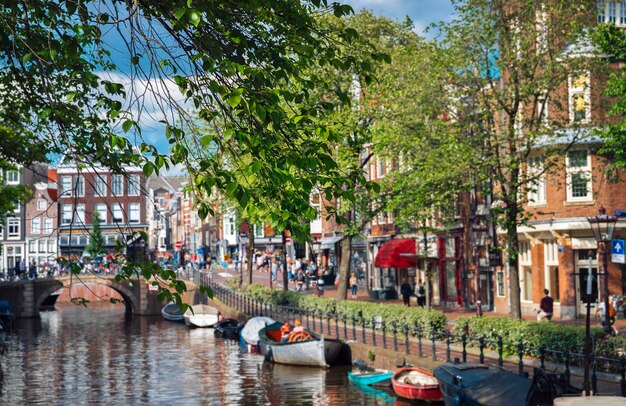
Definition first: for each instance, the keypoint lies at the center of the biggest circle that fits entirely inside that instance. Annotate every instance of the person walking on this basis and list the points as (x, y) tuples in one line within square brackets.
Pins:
[(405, 291), (546, 306), (420, 292), (353, 285)]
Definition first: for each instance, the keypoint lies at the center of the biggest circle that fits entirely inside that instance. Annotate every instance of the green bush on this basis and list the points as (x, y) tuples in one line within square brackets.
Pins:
[(427, 320)]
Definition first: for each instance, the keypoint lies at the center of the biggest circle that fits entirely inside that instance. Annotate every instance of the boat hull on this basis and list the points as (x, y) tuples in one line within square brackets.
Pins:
[(427, 391), (201, 315), (316, 352), (49, 302), (229, 328), (172, 312), (369, 378)]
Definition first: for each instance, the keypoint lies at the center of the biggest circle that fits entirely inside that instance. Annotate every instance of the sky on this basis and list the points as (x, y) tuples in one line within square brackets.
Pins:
[(421, 12)]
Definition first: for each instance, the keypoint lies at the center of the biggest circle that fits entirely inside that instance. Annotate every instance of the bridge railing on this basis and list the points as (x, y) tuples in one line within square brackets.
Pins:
[(437, 345)]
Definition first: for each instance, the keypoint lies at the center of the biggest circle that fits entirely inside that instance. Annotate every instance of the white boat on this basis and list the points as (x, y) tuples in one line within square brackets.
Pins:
[(310, 350), (590, 401), (201, 315), (172, 312)]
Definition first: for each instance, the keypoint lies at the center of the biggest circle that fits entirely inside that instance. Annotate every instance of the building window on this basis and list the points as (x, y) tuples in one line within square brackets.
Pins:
[(47, 228), (231, 225), (133, 185), (41, 246), (51, 247), (622, 12), (66, 186), (133, 213), (578, 167), (17, 208), (258, 230), (601, 11), (13, 177), (612, 12), (66, 214), (580, 98), (537, 183), (41, 205), (80, 213), (35, 226), (500, 283), (317, 205), (380, 168), (32, 246), (80, 186), (527, 283), (100, 186), (13, 228), (101, 209), (118, 213), (117, 185)]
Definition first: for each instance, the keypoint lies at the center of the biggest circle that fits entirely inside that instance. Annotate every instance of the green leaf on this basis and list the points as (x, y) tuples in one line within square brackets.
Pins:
[(127, 125), (234, 100), (195, 17)]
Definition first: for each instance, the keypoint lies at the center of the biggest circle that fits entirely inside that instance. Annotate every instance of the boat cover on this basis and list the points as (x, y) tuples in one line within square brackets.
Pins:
[(250, 332), (502, 388)]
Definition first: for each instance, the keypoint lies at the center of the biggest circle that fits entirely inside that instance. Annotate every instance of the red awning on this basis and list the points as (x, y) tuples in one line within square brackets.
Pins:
[(388, 255)]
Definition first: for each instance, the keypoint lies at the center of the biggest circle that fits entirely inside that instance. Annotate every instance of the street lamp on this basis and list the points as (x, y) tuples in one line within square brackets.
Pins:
[(602, 227), (480, 236)]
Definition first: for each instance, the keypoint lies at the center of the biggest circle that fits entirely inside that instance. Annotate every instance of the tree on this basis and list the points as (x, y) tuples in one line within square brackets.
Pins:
[(612, 43), (241, 65), (95, 246), (512, 57)]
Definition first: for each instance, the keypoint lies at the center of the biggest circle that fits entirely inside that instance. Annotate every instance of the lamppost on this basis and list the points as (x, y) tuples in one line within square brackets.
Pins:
[(602, 227), (480, 235)]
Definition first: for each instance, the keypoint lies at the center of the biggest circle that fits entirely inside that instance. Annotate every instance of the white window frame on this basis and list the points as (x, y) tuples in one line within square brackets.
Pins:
[(18, 207), (66, 186), (47, 225), (35, 225), (13, 177), (316, 204), (259, 232), (51, 247), (13, 228), (134, 213), (117, 185), (622, 13), (42, 204), (586, 170), (503, 292), (80, 214), (133, 185), (66, 214), (601, 8), (611, 12), (574, 92), (41, 246), (116, 209), (79, 186), (102, 209), (537, 192), (32, 247), (381, 168), (100, 186)]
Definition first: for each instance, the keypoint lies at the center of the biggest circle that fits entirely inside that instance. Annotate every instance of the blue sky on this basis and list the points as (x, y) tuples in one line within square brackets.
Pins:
[(422, 12)]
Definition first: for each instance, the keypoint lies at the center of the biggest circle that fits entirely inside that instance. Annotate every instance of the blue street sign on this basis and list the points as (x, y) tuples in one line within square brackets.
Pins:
[(620, 213), (617, 251)]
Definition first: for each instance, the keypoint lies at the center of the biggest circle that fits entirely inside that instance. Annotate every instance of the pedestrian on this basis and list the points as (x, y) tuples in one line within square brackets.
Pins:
[(545, 306), (353, 285), (420, 292), (405, 291), (274, 268)]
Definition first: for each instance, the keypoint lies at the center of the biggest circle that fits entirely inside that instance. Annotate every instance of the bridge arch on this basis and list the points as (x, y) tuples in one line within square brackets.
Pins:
[(128, 295)]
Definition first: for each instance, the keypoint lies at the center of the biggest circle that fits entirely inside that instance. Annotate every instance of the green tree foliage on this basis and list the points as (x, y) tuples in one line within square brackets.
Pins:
[(612, 43), (511, 58), (95, 246), (242, 67)]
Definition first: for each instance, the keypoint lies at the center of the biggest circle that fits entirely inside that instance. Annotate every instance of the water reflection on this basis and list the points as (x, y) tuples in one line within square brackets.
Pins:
[(98, 355)]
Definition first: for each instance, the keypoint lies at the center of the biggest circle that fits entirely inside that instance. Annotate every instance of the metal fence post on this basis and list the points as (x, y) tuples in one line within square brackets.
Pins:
[(363, 329), (520, 353), (481, 344), (383, 326), (432, 338), (394, 331), (500, 352), (419, 342), (345, 326), (374, 331), (447, 347), (406, 339), (464, 343), (622, 382), (336, 325)]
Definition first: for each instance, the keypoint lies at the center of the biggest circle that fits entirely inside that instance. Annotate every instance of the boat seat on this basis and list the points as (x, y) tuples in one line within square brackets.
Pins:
[(274, 335)]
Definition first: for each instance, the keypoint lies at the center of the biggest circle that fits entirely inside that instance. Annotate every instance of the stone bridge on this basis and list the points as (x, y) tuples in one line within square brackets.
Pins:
[(26, 296)]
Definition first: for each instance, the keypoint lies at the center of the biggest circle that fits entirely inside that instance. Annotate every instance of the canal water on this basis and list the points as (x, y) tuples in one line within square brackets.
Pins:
[(96, 355)]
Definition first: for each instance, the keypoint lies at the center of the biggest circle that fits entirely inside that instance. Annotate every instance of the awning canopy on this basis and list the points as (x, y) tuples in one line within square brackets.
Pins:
[(328, 243), (389, 254)]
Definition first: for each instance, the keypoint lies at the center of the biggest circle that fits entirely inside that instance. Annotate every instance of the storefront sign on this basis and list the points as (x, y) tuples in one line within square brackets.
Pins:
[(495, 259)]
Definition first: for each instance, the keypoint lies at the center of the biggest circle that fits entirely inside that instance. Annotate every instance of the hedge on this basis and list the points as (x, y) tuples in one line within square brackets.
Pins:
[(534, 335), (428, 320)]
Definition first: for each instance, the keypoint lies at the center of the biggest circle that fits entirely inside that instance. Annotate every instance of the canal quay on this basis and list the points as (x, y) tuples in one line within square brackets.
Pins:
[(100, 354)]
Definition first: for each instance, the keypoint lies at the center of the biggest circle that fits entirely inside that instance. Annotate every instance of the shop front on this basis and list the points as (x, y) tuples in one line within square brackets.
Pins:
[(394, 262)]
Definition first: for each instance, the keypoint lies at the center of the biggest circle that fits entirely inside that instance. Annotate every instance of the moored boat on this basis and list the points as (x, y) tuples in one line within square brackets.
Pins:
[(49, 302), (416, 384), (303, 348), (229, 328), (369, 377), (172, 312), (250, 332), (201, 315)]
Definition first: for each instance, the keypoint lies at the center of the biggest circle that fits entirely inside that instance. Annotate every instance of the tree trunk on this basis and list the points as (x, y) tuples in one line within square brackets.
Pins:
[(344, 267), (247, 278), (285, 273), (512, 259)]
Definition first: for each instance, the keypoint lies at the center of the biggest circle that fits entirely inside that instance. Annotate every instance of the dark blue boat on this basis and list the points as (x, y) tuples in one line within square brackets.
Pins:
[(7, 317)]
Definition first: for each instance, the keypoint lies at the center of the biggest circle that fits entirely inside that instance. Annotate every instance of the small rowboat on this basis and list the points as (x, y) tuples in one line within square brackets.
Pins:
[(172, 312), (201, 315), (229, 328), (416, 384), (369, 377)]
